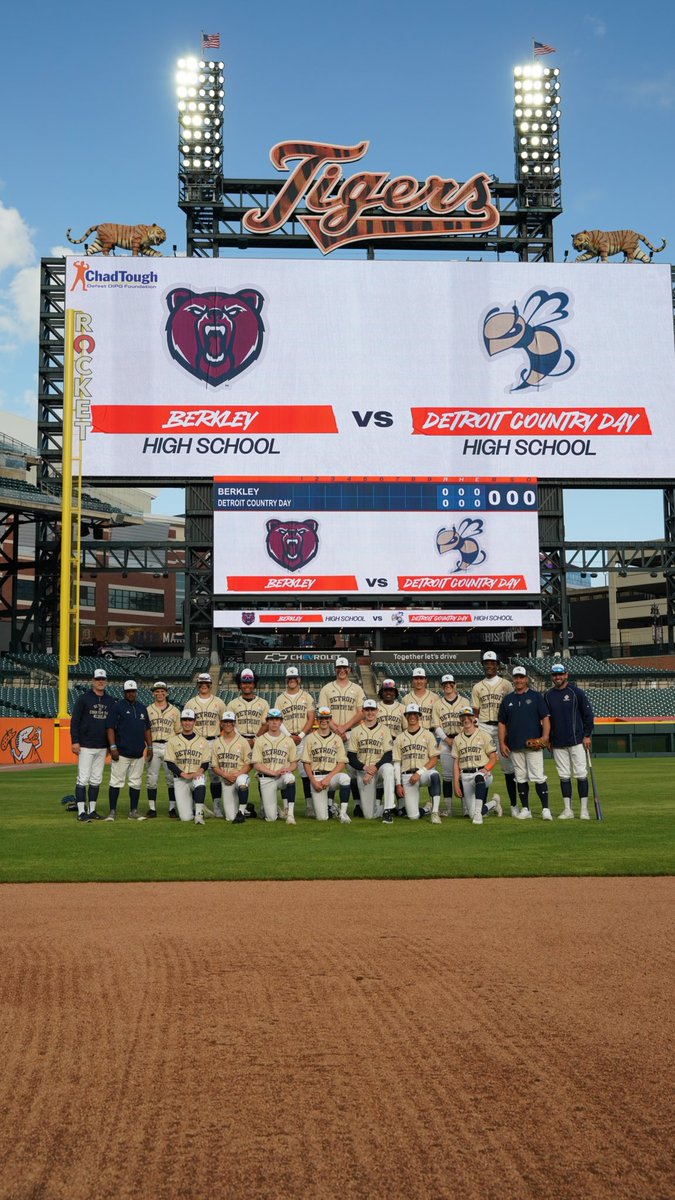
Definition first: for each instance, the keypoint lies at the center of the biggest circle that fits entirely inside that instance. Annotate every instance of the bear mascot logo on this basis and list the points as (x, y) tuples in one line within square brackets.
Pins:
[(292, 544), (214, 335)]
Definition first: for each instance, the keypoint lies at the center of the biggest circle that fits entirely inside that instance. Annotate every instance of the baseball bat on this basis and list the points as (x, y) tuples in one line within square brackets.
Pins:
[(596, 794)]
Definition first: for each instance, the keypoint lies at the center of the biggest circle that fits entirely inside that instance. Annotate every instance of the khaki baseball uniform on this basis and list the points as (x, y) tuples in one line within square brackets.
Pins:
[(426, 705)]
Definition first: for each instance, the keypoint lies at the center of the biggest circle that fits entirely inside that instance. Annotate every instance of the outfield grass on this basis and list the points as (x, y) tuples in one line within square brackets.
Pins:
[(41, 842)]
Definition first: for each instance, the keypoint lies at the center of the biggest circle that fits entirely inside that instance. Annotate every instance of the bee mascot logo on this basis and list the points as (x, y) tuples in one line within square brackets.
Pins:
[(529, 330), (292, 544), (214, 335), (463, 539)]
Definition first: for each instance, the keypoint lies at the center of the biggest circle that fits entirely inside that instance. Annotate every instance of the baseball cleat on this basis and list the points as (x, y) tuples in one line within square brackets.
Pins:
[(388, 818), (477, 820), (498, 804), (524, 815), (345, 820), (567, 815), (199, 819), (436, 819), (239, 819), (134, 815), (173, 813), (514, 810), (585, 816), (358, 811), (290, 819), (546, 814), (152, 812), (94, 816), (446, 812), (111, 816), (83, 817), (218, 812)]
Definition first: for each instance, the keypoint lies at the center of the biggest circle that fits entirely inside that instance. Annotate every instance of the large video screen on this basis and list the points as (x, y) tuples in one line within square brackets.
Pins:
[(200, 367), (375, 536)]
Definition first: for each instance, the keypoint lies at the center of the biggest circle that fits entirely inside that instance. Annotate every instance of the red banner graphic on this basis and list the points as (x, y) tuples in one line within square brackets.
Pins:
[(462, 583), (303, 583), (266, 618), (531, 422), (239, 419)]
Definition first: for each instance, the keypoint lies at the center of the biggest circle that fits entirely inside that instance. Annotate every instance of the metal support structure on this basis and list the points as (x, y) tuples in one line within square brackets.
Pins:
[(198, 622), (669, 564), (552, 564)]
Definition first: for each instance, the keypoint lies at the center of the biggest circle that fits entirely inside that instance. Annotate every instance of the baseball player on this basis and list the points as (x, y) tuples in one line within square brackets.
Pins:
[(208, 710), (486, 697), (187, 757), (164, 722), (370, 754), (474, 759), (422, 697), (129, 735), (523, 717), (345, 701), (324, 759), (415, 757), (231, 762), (571, 730), (446, 725), (391, 710), (274, 760), (298, 709), (88, 735)]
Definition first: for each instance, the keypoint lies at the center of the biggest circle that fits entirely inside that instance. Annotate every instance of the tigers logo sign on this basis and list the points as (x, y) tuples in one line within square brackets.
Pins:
[(338, 211), (292, 544), (214, 335)]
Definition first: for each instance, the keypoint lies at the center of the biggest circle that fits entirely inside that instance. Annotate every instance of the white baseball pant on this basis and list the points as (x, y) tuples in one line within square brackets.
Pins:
[(268, 792), (231, 799), (157, 761), (367, 790), (90, 764), (411, 791), (506, 764), (528, 766), (469, 802), (126, 767), (570, 761), (448, 765), (185, 801), (321, 799)]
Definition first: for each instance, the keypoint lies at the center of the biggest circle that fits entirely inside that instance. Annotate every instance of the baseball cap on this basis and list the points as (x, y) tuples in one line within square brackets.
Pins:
[(419, 671), (412, 708), (204, 677), (99, 673), (558, 669), (388, 683), (227, 716), (448, 679), (323, 713), (489, 656), (292, 671), (519, 671), (160, 684), (130, 685), (275, 713), (370, 703), (247, 674), (188, 714), (341, 662), (467, 711)]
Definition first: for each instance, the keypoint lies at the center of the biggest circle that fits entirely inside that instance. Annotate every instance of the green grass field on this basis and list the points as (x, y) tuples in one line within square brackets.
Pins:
[(41, 842)]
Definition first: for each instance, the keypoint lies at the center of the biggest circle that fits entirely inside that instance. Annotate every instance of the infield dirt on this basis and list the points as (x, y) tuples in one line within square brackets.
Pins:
[(459, 1038)]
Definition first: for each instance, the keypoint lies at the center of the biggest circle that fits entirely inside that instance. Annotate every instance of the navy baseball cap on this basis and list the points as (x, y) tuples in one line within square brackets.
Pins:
[(558, 669)]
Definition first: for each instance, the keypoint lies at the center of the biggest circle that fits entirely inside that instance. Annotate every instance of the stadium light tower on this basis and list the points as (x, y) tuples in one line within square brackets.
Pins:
[(536, 118), (201, 104)]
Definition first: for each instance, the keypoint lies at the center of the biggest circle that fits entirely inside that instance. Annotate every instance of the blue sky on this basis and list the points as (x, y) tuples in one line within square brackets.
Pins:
[(90, 127)]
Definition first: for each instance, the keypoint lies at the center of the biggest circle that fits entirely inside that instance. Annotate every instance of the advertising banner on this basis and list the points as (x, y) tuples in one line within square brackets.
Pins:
[(26, 741), (363, 618), (196, 367), (341, 536)]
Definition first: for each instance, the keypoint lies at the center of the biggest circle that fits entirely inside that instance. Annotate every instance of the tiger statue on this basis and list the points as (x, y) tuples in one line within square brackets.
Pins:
[(138, 238), (600, 244)]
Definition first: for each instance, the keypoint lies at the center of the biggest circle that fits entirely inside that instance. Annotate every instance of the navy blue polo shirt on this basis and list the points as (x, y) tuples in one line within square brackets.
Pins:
[(129, 721), (522, 714), (90, 720), (571, 715)]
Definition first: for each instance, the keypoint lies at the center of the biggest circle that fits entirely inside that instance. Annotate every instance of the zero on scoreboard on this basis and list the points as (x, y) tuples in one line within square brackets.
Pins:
[(377, 495), (496, 496)]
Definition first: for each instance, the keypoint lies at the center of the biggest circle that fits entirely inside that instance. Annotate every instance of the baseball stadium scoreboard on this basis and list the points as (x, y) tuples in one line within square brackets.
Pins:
[(369, 536)]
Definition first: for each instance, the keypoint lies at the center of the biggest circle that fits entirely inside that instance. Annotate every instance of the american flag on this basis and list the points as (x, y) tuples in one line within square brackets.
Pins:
[(211, 41), (542, 48)]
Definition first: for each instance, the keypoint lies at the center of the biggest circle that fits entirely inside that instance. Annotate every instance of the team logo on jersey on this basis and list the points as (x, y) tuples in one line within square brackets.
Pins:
[(292, 544), (247, 618), (214, 335), (463, 540), (530, 330)]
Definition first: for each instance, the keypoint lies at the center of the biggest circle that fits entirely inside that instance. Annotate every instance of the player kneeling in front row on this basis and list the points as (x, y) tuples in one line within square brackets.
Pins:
[(370, 754), (187, 757), (325, 761), (415, 757), (474, 760), (231, 762), (274, 759)]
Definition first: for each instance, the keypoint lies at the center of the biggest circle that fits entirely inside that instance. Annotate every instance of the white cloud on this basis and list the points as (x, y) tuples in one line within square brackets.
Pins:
[(658, 92), (598, 27), (16, 246), (24, 291)]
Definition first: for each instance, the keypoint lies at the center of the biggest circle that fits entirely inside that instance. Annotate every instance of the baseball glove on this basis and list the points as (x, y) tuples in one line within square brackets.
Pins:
[(536, 743)]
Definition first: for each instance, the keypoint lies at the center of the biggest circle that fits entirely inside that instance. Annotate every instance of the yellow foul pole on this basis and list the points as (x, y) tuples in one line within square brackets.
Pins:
[(66, 531)]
